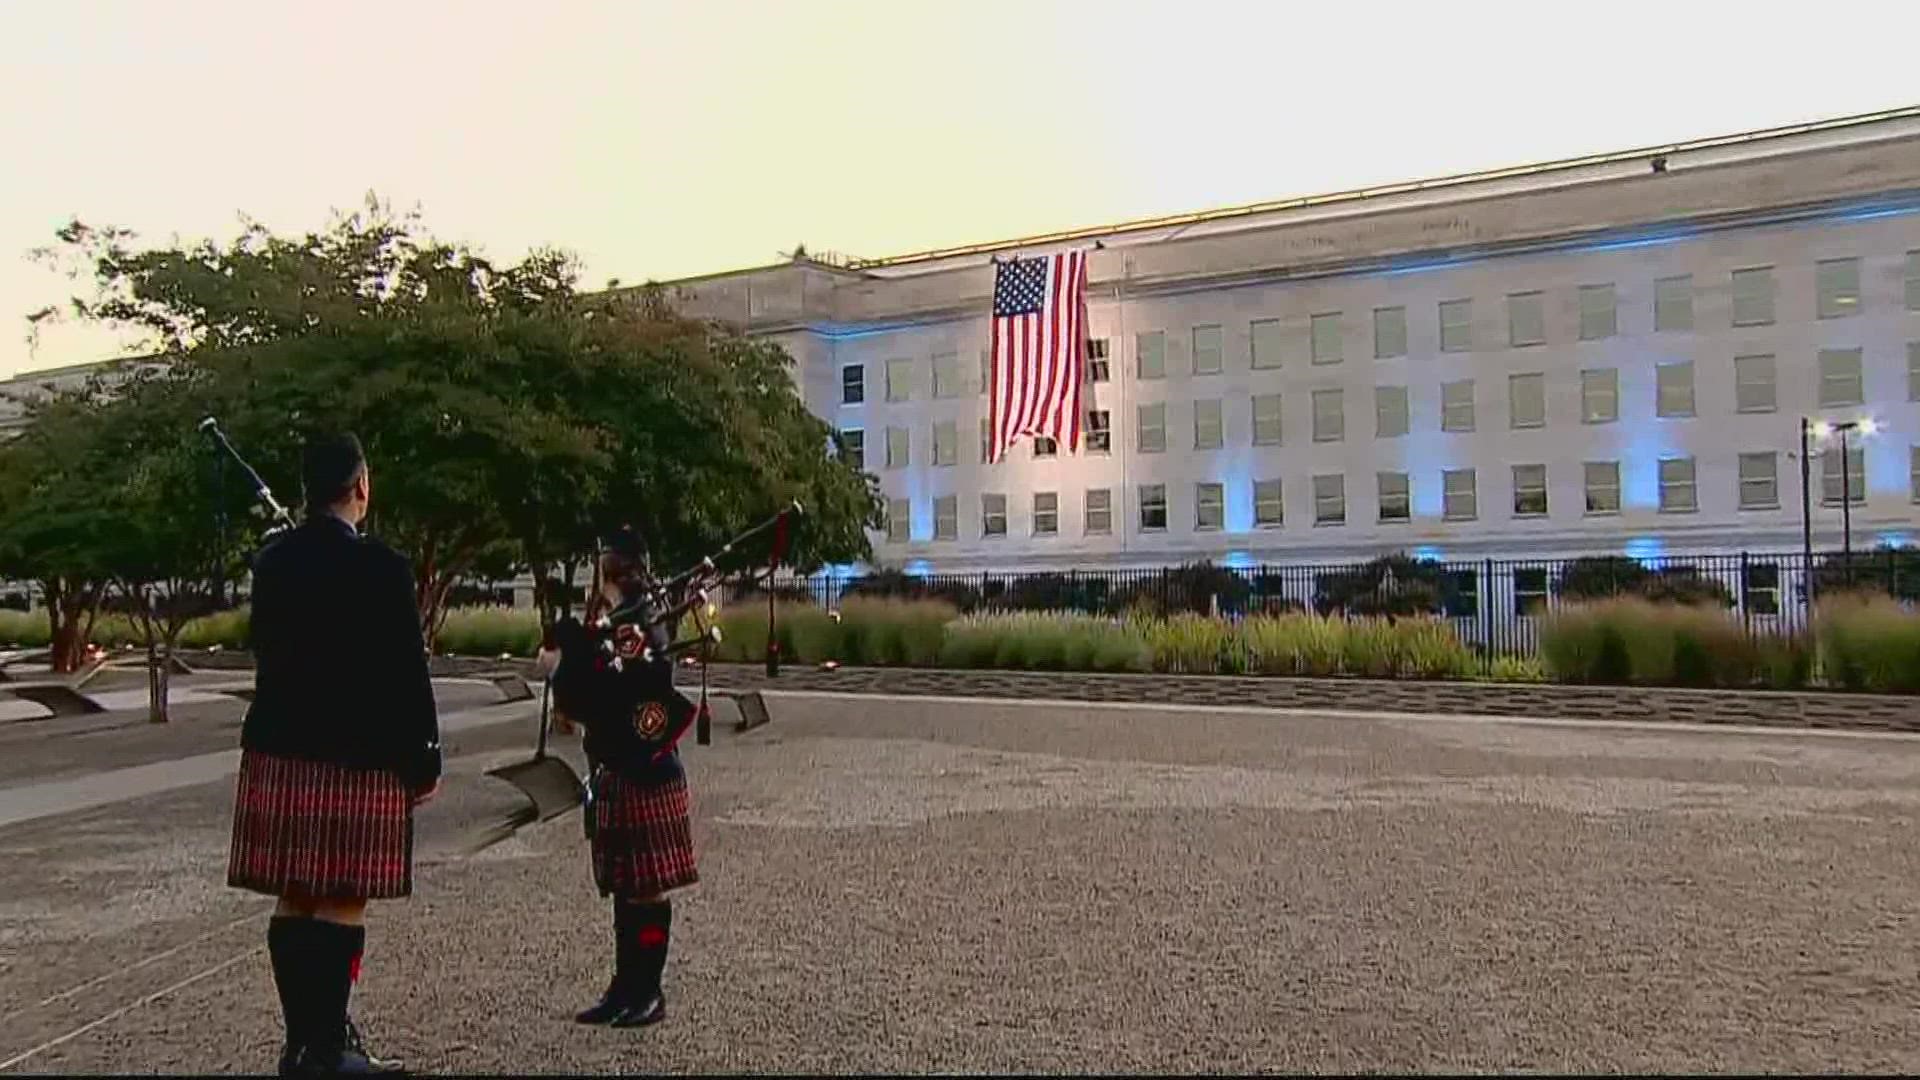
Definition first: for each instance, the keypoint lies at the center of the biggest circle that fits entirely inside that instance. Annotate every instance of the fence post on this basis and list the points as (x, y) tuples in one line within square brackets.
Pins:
[(1746, 612)]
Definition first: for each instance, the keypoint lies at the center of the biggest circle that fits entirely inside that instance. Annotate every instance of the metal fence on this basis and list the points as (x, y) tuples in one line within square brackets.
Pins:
[(1496, 605)]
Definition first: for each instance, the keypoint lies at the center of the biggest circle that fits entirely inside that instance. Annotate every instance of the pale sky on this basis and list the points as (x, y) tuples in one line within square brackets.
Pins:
[(662, 140)]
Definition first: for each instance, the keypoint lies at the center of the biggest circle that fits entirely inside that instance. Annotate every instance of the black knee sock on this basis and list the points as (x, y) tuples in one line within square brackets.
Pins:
[(336, 960), (626, 948), (653, 930), (290, 945)]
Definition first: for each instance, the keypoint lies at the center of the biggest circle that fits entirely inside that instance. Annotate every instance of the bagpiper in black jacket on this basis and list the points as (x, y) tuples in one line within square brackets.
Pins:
[(340, 663)]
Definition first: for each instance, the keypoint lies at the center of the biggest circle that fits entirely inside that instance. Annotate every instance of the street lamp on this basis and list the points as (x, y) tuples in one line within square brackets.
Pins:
[(1822, 430)]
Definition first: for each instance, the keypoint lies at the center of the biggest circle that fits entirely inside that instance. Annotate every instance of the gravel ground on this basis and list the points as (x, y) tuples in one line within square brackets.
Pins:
[(926, 886)]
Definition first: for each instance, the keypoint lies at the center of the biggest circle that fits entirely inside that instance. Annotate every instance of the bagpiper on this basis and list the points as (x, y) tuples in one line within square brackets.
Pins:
[(339, 746), (617, 682)]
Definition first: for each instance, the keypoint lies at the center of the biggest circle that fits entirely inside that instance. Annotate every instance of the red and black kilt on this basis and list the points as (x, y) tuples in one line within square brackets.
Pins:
[(642, 836), (316, 829)]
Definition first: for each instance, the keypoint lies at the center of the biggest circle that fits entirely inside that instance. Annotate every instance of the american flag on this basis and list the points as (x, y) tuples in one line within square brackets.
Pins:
[(1039, 351)]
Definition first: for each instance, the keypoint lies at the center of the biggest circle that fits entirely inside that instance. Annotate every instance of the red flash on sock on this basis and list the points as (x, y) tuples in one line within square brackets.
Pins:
[(652, 937), (353, 969)]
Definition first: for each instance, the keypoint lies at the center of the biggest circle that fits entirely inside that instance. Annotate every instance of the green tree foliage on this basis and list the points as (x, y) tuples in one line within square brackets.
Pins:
[(1601, 576), (509, 419)]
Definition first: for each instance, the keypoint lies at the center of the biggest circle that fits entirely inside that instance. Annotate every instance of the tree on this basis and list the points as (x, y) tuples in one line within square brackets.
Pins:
[(508, 418), (53, 483)]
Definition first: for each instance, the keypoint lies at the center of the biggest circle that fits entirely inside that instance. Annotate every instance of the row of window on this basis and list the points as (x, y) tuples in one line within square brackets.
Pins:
[(1841, 383), (1758, 489), (1836, 286)]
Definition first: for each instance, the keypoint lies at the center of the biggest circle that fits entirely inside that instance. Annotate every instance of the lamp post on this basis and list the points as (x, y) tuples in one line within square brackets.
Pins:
[(1821, 430), (1806, 519)]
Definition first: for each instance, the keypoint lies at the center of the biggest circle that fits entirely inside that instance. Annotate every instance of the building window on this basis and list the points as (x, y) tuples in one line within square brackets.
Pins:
[(897, 448), (1753, 387), (1913, 371), (986, 440), (1459, 499), (1529, 491), (986, 370), (1603, 487), (1099, 431), (946, 444), (1396, 497), (1099, 513), (1153, 428), (1456, 325), (1206, 424), (1526, 319), (1673, 303), (1456, 406), (1599, 312), (1913, 281), (899, 379), (1678, 494), (1913, 472), (1759, 481), (946, 375), (1209, 507), (1753, 296), (1150, 353), (1599, 395), (1389, 412), (1266, 343), (1673, 389), (1266, 420), (853, 384), (1330, 500), (1327, 347), (1460, 594), (1527, 400), (1837, 288), (993, 515), (1529, 590), (1760, 588), (1389, 332), (1098, 368), (853, 449), (1206, 350), (1045, 446), (1046, 513), (1855, 483), (1329, 416), (899, 520), (946, 517), (1153, 507), (1268, 511), (1841, 382)]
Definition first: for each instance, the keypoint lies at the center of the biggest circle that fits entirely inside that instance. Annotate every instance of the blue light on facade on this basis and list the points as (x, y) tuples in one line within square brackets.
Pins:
[(1645, 550), (1238, 560), (1428, 553), (1894, 539), (919, 568)]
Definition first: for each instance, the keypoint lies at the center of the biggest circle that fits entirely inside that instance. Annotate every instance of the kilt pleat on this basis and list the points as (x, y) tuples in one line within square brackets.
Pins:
[(314, 828), (643, 836)]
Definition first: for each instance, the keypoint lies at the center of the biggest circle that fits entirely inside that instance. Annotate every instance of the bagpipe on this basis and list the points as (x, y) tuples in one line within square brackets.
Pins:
[(642, 629)]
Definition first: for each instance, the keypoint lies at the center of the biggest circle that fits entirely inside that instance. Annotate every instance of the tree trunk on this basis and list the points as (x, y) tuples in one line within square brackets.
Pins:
[(71, 609), (159, 678)]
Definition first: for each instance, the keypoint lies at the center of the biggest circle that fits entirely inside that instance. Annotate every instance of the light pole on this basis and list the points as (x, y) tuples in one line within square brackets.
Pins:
[(1806, 519), (1821, 429)]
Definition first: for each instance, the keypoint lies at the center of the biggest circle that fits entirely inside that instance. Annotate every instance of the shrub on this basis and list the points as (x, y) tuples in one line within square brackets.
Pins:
[(225, 629), (1390, 585), (1519, 669), (1187, 643), (1868, 642), (1631, 640), (1045, 642), (490, 631), (25, 629)]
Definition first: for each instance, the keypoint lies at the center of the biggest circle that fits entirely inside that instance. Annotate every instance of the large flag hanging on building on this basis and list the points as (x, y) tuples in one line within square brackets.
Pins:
[(1039, 351)]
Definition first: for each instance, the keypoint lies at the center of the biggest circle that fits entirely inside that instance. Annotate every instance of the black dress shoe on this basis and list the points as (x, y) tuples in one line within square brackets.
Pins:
[(356, 1047), (606, 1010), (652, 1012), (309, 1062)]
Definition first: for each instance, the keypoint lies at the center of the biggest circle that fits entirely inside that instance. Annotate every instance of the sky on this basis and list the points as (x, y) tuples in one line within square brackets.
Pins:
[(658, 140)]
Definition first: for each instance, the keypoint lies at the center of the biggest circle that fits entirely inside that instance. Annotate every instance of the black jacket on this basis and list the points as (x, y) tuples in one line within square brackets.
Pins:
[(341, 666), (608, 700)]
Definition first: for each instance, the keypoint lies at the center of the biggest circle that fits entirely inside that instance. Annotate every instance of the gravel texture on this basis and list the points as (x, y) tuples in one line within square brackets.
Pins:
[(990, 887)]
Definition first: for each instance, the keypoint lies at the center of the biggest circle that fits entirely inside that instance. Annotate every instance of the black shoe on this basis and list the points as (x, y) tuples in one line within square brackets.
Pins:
[(310, 1062), (654, 1011), (610, 1006)]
